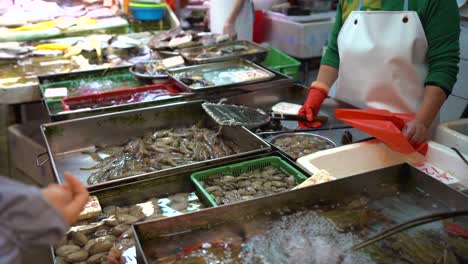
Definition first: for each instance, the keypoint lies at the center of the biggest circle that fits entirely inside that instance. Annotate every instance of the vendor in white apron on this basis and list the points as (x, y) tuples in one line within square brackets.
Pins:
[(233, 17), (389, 57)]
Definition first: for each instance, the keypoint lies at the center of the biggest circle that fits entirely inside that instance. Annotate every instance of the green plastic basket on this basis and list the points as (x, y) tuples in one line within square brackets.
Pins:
[(279, 61), (125, 79), (239, 168)]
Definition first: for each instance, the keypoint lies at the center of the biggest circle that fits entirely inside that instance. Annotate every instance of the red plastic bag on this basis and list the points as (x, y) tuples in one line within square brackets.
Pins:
[(383, 125)]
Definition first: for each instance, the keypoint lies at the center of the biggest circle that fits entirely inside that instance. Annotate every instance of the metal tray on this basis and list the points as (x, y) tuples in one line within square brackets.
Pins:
[(219, 66), (55, 109), (144, 189), (339, 136), (66, 140), (274, 138), (240, 221), (189, 54)]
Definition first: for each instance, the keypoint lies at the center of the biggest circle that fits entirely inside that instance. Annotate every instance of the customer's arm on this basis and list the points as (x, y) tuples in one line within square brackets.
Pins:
[(32, 216)]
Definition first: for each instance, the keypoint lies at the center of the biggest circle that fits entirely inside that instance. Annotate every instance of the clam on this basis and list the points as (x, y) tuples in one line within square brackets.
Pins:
[(101, 246), (127, 219), (118, 230), (102, 232), (213, 189), (60, 260), (255, 183), (127, 233), (127, 243), (65, 250), (79, 238), (111, 221), (109, 210), (97, 258), (62, 242), (77, 256)]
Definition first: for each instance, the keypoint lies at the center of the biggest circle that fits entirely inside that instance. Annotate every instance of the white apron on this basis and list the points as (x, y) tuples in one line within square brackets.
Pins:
[(219, 12), (382, 60)]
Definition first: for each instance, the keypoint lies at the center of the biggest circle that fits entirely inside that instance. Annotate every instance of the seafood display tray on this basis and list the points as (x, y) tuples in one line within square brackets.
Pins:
[(127, 194), (199, 69), (107, 98), (339, 137), (65, 147), (240, 168), (120, 76), (190, 54), (303, 134), (238, 222)]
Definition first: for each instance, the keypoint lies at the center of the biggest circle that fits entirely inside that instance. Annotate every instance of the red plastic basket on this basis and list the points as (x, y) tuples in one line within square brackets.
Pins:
[(118, 97)]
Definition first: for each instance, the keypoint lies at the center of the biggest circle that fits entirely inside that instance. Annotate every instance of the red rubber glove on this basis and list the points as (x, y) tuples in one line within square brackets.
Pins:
[(313, 103)]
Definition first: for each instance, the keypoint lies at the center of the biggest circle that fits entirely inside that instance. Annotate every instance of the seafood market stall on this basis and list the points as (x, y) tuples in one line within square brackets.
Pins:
[(323, 222), (143, 200), (120, 88), (117, 48), (182, 131), (193, 151)]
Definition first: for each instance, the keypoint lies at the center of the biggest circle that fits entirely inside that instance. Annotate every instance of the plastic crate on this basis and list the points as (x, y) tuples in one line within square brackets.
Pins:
[(239, 168), (279, 61)]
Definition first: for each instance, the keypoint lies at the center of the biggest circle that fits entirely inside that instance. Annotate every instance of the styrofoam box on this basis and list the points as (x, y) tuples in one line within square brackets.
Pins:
[(453, 134), (25, 144), (300, 40), (446, 159), (373, 155), (353, 159)]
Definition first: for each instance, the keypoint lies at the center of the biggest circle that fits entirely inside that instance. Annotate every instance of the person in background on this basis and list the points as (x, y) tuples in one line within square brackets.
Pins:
[(404, 60), (30, 216), (233, 17)]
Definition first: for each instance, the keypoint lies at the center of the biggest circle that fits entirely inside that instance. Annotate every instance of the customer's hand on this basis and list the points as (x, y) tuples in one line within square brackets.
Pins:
[(415, 131), (230, 29), (69, 199), (115, 256)]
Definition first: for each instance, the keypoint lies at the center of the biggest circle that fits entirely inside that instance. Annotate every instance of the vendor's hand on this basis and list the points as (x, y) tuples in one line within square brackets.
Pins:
[(415, 131), (313, 103), (230, 29), (69, 199)]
